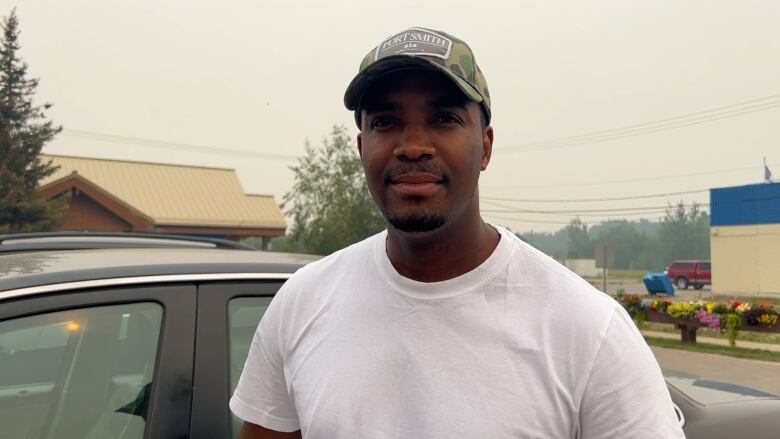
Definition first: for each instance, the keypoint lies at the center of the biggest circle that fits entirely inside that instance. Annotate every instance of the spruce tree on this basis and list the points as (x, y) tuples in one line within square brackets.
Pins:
[(24, 130)]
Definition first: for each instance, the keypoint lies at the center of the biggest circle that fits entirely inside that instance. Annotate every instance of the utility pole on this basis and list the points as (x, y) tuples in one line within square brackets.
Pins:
[(604, 264)]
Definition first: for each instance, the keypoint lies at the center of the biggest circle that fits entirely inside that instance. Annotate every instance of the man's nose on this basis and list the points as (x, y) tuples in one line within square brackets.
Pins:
[(415, 143)]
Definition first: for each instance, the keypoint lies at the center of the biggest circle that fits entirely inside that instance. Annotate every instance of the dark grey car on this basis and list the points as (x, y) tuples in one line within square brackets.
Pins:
[(139, 337), (121, 337)]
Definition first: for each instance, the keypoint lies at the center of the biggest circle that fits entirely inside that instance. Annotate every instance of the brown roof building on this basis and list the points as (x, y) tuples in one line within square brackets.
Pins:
[(123, 196)]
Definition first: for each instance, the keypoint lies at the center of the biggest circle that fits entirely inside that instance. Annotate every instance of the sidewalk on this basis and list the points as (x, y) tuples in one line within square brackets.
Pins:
[(718, 341)]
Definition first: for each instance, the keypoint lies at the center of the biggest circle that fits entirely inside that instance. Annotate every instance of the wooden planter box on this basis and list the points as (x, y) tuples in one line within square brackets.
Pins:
[(745, 327), (688, 328)]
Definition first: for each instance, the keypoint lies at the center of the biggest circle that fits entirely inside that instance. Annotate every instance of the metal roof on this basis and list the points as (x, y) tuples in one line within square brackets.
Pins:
[(30, 269), (174, 195)]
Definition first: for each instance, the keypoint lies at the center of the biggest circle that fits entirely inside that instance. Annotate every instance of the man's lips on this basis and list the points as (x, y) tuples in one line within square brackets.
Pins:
[(416, 184), (416, 178)]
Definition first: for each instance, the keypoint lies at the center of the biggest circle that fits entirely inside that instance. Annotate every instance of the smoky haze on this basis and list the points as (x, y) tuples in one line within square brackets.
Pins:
[(259, 78)]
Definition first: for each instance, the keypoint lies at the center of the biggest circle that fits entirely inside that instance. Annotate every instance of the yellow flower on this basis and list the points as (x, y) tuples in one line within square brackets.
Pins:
[(710, 307), (768, 319)]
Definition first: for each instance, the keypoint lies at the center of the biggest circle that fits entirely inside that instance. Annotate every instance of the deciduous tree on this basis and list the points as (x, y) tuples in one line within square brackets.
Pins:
[(330, 204)]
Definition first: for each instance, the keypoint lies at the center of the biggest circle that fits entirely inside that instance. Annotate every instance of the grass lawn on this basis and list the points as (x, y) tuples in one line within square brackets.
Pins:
[(750, 354), (635, 275), (755, 337), (617, 276), (706, 296)]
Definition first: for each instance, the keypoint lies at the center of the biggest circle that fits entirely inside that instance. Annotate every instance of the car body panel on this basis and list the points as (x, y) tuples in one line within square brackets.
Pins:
[(29, 269), (210, 414), (171, 393), (195, 286), (694, 272)]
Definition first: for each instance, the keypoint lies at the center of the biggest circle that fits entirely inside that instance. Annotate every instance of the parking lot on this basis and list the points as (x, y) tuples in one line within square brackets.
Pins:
[(637, 287), (759, 375)]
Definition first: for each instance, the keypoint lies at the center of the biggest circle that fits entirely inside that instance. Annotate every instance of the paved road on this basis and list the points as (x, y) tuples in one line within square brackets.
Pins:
[(634, 287), (759, 375)]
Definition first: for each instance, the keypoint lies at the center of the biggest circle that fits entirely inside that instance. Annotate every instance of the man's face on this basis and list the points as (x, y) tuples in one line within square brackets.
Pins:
[(423, 146)]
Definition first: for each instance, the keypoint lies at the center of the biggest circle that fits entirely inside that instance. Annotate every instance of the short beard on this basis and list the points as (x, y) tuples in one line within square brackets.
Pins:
[(417, 223)]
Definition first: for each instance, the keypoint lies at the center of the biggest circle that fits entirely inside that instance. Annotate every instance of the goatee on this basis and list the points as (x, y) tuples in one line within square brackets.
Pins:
[(417, 223)]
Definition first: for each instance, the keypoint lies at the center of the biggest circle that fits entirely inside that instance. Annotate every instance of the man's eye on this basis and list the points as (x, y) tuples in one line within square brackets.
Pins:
[(382, 121), (446, 118)]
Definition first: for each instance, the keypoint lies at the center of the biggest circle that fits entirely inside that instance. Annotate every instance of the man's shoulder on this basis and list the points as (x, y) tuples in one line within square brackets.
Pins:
[(532, 267), (349, 259), (580, 313)]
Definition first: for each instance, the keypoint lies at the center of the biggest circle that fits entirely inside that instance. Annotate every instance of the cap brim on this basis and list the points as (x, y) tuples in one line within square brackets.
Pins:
[(363, 81)]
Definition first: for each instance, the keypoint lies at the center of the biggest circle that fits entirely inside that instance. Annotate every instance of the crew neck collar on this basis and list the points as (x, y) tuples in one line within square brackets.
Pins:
[(450, 287)]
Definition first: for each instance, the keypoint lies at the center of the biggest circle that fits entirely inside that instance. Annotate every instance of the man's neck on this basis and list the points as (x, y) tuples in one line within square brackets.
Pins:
[(443, 254)]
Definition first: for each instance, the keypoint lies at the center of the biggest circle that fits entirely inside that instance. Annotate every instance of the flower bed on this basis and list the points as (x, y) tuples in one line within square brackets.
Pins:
[(690, 316)]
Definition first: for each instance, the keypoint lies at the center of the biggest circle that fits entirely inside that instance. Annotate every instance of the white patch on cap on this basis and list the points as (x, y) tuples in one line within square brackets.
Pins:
[(414, 41)]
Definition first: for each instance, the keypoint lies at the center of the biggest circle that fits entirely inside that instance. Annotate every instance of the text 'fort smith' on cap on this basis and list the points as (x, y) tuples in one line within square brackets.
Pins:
[(420, 48)]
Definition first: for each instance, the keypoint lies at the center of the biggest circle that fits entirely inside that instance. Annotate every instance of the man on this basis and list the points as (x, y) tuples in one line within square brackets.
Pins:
[(442, 326)]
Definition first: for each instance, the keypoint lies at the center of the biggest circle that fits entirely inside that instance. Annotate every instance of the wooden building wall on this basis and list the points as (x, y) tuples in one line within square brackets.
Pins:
[(85, 214)]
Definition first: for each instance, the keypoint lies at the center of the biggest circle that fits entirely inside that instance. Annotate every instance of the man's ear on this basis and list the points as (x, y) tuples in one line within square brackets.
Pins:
[(487, 146), (360, 145)]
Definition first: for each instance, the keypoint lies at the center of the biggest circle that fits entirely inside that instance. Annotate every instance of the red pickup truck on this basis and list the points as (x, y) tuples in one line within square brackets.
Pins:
[(690, 272)]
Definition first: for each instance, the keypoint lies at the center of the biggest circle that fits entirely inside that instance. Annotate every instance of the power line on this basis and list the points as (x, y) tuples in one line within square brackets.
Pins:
[(630, 180), (662, 124), (596, 216), (624, 210), (592, 216), (598, 213), (590, 200), (176, 146), (648, 131), (538, 221), (525, 220), (668, 119), (620, 134), (650, 209), (675, 122)]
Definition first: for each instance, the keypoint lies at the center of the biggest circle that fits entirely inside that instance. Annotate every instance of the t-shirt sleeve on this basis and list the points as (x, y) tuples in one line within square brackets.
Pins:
[(626, 395), (262, 396)]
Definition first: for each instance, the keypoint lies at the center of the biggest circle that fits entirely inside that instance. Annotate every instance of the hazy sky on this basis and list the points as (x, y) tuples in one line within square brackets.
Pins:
[(264, 76)]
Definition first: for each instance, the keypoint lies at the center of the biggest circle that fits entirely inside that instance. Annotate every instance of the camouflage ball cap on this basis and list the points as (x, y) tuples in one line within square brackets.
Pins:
[(424, 49)]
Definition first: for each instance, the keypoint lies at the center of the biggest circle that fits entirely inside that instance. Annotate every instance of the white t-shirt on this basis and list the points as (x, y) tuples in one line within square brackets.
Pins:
[(518, 347)]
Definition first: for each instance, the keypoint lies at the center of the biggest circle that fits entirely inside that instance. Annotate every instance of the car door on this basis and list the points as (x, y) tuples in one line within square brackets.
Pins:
[(228, 314), (705, 272), (111, 363)]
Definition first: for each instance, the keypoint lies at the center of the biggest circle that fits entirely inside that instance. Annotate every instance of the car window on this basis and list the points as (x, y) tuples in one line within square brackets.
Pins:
[(705, 265), (683, 265), (244, 314), (82, 373)]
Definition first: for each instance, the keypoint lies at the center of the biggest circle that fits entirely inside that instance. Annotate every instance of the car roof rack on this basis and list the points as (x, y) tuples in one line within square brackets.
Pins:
[(42, 241)]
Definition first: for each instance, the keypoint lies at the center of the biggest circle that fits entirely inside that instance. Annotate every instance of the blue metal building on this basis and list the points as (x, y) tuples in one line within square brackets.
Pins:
[(745, 239)]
